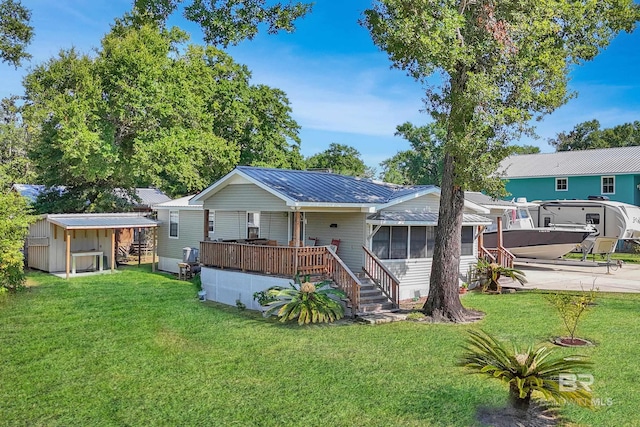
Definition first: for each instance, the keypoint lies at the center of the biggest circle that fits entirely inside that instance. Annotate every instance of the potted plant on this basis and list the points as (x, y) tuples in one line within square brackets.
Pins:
[(464, 287)]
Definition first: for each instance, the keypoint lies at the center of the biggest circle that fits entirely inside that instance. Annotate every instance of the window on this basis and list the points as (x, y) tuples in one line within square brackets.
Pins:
[(592, 218), (547, 221), (174, 221), (212, 222), (253, 225), (608, 184), (467, 241), (399, 241), (562, 184), (380, 242), (418, 242), (403, 242)]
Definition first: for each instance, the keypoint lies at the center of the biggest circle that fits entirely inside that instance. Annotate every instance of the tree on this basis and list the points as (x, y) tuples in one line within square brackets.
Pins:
[(422, 163), (15, 32), (146, 112), (499, 64), (14, 164), (341, 159), (227, 22), (524, 149), (588, 136), (14, 227)]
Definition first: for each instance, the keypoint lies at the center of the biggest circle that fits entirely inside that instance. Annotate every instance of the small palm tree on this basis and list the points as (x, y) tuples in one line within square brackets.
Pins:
[(489, 274), (307, 302), (526, 371)]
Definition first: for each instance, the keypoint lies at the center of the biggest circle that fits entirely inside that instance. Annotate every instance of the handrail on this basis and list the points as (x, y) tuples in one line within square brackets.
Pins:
[(344, 278), (382, 276)]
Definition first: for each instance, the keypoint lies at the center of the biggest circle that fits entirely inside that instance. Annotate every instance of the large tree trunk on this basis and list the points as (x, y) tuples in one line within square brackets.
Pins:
[(444, 300)]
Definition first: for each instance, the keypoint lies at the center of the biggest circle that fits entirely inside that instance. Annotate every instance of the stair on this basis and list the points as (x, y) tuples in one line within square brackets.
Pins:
[(372, 300)]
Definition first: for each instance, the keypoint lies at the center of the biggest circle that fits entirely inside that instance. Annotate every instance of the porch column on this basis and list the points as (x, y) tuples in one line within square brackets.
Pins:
[(113, 249), (296, 229), (67, 235), (499, 240), (153, 249), (206, 224), (480, 239)]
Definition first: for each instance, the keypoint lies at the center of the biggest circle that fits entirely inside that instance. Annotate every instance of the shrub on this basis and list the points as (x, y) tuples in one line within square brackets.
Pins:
[(266, 296), (488, 274), (306, 302), (572, 307), (526, 371), (14, 227)]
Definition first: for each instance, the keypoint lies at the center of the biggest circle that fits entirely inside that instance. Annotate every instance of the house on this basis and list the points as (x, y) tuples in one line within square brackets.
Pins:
[(610, 172), (284, 222), (70, 243)]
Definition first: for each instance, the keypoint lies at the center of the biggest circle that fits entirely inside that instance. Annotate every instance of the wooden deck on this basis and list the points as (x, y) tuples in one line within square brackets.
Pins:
[(282, 261)]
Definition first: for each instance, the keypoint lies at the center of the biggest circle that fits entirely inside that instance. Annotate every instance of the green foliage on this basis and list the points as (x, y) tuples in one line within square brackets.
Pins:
[(306, 302), (588, 135), (14, 227), (488, 275), (266, 296), (240, 305), (14, 164), (340, 159), (416, 315), (420, 165), (15, 32), (148, 110), (525, 371), (228, 22), (524, 149), (571, 307)]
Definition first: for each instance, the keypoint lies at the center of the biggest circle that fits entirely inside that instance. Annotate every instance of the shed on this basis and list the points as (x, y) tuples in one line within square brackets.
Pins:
[(71, 242)]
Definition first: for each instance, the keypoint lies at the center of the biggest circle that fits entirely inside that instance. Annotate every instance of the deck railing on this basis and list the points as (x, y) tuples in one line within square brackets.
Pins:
[(282, 261), (500, 255), (382, 276)]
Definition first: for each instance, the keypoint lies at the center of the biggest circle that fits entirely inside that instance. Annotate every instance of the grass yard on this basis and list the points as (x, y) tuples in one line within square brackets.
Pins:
[(138, 349)]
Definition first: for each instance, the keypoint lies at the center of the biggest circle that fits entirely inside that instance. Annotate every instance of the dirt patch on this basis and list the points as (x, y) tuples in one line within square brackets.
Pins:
[(538, 415), (572, 342)]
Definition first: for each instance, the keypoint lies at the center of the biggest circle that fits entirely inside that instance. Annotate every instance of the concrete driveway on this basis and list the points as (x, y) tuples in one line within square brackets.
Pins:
[(577, 277)]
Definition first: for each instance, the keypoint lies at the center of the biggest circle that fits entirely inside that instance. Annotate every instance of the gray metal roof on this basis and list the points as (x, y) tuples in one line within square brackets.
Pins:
[(605, 161), (151, 196), (100, 221), (487, 201), (426, 218), (182, 203), (322, 187)]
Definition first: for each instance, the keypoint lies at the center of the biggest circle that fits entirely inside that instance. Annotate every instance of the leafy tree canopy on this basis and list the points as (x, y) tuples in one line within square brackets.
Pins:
[(14, 164), (227, 22), (500, 64), (142, 112), (588, 135), (341, 159), (15, 32), (524, 149), (14, 227)]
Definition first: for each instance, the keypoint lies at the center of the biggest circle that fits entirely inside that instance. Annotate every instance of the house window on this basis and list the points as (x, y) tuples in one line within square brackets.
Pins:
[(562, 184), (174, 221), (467, 241), (212, 222), (399, 242), (253, 225), (418, 242), (608, 184), (402, 242), (380, 242)]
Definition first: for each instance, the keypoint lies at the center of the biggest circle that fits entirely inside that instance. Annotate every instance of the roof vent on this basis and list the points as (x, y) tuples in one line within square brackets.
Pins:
[(598, 198)]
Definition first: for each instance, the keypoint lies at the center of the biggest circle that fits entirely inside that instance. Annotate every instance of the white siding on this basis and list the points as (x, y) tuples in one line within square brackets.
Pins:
[(81, 240), (38, 256), (351, 230), (230, 225), (275, 226), (244, 197), (169, 264)]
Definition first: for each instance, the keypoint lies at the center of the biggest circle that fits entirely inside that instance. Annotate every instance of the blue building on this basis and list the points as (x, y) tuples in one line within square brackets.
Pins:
[(610, 172)]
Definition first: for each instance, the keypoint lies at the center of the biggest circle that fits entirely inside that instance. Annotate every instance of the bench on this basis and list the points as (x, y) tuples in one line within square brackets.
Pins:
[(76, 255)]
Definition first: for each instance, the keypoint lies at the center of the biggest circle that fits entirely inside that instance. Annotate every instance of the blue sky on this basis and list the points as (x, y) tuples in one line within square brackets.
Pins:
[(341, 87)]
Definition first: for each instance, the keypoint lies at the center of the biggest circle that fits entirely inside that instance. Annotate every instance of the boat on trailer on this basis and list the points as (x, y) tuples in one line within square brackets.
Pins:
[(521, 236), (613, 221)]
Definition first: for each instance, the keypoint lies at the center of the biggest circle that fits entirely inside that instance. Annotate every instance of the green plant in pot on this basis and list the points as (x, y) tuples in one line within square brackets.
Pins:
[(307, 302)]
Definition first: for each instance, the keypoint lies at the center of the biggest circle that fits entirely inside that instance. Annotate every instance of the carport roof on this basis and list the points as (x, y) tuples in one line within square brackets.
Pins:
[(100, 221)]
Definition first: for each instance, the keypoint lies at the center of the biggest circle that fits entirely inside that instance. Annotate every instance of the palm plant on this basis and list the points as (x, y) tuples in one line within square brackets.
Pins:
[(488, 275), (307, 302), (526, 371)]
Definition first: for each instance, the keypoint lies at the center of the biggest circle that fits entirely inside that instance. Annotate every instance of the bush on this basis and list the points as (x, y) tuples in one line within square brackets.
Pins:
[(14, 228), (571, 307)]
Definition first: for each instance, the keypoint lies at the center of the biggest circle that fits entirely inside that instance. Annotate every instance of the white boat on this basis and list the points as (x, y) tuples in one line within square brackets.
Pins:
[(522, 237), (613, 221)]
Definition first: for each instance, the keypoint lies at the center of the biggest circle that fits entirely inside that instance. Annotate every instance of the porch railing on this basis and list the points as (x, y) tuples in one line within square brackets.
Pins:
[(382, 276), (500, 255), (283, 261)]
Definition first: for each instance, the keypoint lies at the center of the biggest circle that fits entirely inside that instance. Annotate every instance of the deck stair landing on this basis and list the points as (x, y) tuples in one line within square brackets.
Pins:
[(372, 299)]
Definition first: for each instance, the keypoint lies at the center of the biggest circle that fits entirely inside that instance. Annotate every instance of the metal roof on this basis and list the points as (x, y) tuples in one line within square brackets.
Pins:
[(426, 218), (151, 196), (605, 161), (148, 196), (100, 221), (322, 187), (182, 203), (487, 201)]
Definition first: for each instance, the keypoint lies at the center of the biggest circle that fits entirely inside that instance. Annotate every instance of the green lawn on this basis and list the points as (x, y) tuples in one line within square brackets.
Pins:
[(138, 349)]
